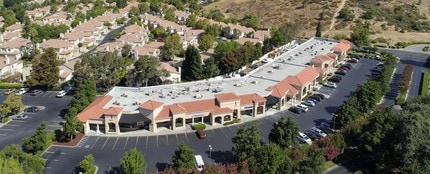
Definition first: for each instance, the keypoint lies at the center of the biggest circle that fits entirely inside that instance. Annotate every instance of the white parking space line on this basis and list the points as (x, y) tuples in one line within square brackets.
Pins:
[(115, 143), (126, 141), (223, 132), (13, 125), (157, 140), (105, 143), (167, 139), (137, 140), (44, 94), (2, 134), (186, 137), (177, 139), (95, 142), (7, 129), (48, 167), (147, 137)]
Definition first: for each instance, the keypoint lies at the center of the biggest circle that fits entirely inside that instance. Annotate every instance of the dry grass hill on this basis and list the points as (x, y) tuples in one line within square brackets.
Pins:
[(392, 20)]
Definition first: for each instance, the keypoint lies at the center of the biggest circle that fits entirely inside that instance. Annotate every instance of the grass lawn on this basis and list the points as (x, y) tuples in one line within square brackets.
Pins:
[(425, 83), (401, 99)]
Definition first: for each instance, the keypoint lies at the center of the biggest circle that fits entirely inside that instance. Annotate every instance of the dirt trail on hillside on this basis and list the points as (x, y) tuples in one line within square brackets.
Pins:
[(333, 18)]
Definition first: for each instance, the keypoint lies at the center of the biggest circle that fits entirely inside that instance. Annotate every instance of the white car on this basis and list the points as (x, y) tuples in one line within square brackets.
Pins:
[(303, 107), (61, 94), (330, 85), (303, 137), (318, 132), (21, 91), (199, 162)]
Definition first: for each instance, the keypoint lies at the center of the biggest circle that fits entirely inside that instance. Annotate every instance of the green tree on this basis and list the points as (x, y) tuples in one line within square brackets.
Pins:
[(126, 50), (370, 94), (318, 30), (145, 69), (133, 162), (30, 163), (348, 111), (313, 162), (250, 20), (87, 164), (213, 30), (169, 14), (70, 125), (284, 132), (12, 105), (210, 68), (360, 35), (121, 3), (246, 142), (45, 72), (192, 65), (206, 42), (85, 94), (183, 158), (172, 46), (143, 8), (269, 159), (38, 142), (277, 38), (346, 14), (10, 166)]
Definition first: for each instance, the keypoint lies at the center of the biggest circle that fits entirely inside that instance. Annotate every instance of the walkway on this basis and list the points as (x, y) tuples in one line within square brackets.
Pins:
[(333, 18)]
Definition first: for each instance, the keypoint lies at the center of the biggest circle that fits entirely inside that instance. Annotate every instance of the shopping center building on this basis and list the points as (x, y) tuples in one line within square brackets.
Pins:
[(273, 83)]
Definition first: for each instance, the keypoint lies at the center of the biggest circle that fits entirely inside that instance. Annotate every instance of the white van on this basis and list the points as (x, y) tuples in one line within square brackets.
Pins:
[(199, 162)]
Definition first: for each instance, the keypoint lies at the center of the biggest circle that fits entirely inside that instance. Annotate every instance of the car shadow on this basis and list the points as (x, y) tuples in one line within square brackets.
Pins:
[(114, 170), (332, 109), (221, 157), (319, 121), (162, 166)]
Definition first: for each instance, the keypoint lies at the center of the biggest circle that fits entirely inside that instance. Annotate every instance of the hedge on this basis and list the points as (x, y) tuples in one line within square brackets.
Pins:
[(199, 126), (232, 122), (425, 83), (401, 99), (11, 85)]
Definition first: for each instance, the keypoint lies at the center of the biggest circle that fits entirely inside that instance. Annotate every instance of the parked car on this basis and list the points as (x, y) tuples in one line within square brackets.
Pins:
[(347, 65), (9, 91), (312, 100), (61, 94), (353, 60), (295, 110), (344, 67), (327, 127), (320, 95), (20, 117), (311, 135), (21, 91), (340, 72), (330, 85), (36, 92), (199, 162), (334, 79), (315, 97), (318, 132), (33, 109), (308, 103), (201, 133), (303, 107), (304, 138)]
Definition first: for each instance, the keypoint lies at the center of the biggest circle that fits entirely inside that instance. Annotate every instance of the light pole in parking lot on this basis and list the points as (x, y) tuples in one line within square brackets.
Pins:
[(210, 151), (334, 120)]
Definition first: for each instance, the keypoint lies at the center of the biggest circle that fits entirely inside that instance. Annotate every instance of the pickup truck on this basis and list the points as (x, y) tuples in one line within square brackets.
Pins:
[(21, 91)]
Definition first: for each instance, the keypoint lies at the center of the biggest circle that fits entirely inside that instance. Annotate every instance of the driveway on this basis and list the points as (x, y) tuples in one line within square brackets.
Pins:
[(158, 150), (15, 131)]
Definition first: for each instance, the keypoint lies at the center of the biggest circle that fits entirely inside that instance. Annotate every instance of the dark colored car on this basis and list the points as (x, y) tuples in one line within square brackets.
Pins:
[(341, 72), (296, 110), (334, 80), (320, 95), (345, 67), (32, 109), (314, 97), (311, 135), (201, 133), (36, 92), (353, 60)]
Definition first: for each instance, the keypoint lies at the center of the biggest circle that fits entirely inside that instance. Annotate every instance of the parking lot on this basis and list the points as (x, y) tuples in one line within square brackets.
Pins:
[(51, 108)]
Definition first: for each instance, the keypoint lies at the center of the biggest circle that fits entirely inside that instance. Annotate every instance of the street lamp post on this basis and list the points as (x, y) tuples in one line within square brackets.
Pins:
[(210, 151), (334, 120)]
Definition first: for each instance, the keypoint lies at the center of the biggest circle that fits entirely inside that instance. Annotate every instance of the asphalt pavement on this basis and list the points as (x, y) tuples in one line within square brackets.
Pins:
[(14, 131), (158, 150)]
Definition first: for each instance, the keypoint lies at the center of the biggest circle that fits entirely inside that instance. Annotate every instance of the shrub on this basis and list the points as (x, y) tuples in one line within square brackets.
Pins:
[(199, 126), (232, 122), (11, 85), (406, 78), (401, 99), (425, 83)]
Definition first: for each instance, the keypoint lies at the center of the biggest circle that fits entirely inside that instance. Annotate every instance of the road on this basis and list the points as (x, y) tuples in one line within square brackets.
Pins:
[(15, 131), (158, 150)]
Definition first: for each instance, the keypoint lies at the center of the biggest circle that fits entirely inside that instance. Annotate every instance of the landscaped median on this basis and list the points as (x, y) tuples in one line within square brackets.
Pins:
[(10, 85), (404, 84), (424, 88)]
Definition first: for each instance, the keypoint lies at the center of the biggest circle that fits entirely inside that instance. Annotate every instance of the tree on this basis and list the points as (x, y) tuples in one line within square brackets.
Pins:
[(10, 165), (206, 42), (313, 162), (210, 68), (192, 65), (360, 35), (38, 142), (246, 142), (250, 20), (348, 111), (284, 132), (145, 68), (277, 38), (269, 159), (29, 163), (87, 165), (70, 125), (169, 14), (183, 158), (45, 72), (121, 3), (12, 105), (133, 162), (84, 95), (370, 94), (318, 30), (172, 46), (143, 8), (126, 50), (346, 14)]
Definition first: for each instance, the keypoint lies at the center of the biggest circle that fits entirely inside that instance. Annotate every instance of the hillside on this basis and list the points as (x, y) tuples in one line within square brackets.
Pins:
[(392, 20)]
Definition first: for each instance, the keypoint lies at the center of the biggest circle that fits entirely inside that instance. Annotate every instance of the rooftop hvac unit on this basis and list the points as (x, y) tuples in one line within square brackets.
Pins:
[(198, 95), (254, 82)]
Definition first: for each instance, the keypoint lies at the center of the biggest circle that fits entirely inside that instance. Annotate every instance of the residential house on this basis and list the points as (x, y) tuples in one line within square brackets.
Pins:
[(182, 16), (9, 66), (13, 49), (133, 39), (261, 35), (64, 49), (188, 41), (75, 37), (66, 70), (38, 13), (150, 49), (110, 47), (56, 19), (17, 27), (242, 40), (7, 36), (174, 73)]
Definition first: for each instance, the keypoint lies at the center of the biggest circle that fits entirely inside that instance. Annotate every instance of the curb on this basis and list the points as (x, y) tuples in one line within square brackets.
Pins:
[(3, 124)]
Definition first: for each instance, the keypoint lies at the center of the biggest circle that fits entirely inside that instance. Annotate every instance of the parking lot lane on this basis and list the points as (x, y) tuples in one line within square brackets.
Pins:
[(110, 143), (94, 143), (182, 138), (222, 131), (116, 141), (162, 141), (174, 139), (131, 143), (192, 137), (102, 144), (151, 142)]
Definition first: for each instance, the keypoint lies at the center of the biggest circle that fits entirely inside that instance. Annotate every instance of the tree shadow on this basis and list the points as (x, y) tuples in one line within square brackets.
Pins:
[(222, 157), (114, 170), (162, 166), (63, 113), (332, 109), (319, 121), (78, 170)]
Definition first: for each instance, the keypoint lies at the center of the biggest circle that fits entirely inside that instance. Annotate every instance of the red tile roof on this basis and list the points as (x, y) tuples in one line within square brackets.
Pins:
[(332, 55), (321, 59), (303, 77), (95, 109), (113, 111), (224, 97), (222, 111), (150, 105), (343, 46), (251, 98), (177, 108)]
